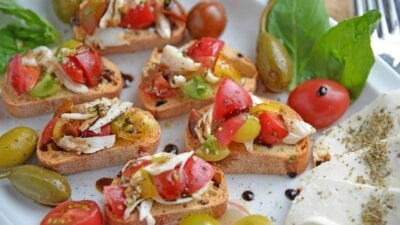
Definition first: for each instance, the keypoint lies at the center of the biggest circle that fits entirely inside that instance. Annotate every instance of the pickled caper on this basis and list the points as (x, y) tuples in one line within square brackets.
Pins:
[(273, 63), (65, 9), (42, 185), (16, 146)]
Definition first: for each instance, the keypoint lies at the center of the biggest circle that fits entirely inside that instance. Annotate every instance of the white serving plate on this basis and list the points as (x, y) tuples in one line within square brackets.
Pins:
[(241, 34)]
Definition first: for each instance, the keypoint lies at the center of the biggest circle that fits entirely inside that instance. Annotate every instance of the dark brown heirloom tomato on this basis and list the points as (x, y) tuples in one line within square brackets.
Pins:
[(319, 102), (206, 19)]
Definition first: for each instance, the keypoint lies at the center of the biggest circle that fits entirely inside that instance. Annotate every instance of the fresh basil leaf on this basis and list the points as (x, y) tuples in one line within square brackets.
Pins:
[(197, 89), (344, 53), (298, 24), (22, 30)]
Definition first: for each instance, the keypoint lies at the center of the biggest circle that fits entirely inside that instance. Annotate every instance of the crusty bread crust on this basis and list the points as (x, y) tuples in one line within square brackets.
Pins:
[(178, 104), (213, 203), (26, 106), (139, 39), (66, 162), (280, 159)]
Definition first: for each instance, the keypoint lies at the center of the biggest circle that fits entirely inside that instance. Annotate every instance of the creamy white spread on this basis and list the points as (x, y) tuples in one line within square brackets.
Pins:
[(176, 61), (86, 145)]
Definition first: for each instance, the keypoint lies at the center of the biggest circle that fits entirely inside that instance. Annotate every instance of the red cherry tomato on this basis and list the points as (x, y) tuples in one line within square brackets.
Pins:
[(198, 172), (140, 17), (170, 184), (273, 128), (23, 78), (115, 197), (90, 62), (206, 51), (73, 71), (319, 102), (85, 212), (230, 99), (47, 133), (225, 133), (90, 13), (159, 88), (104, 131)]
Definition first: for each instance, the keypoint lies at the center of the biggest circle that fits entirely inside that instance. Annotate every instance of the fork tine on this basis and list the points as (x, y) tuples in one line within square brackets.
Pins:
[(387, 9), (397, 8)]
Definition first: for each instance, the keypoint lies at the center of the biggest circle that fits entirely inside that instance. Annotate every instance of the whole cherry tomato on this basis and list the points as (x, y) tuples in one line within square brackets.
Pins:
[(206, 19), (320, 102)]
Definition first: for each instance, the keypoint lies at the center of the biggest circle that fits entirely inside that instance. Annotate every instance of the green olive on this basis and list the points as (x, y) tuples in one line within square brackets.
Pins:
[(16, 146), (42, 185), (199, 219), (254, 220), (65, 9), (273, 63)]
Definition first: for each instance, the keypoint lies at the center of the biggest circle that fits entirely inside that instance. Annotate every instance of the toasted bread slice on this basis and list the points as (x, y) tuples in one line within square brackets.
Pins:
[(280, 159), (27, 106), (66, 162), (178, 104), (136, 40), (214, 203)]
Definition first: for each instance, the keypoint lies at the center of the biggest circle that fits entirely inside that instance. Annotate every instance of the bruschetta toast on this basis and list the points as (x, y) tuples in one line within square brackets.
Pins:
[(41, 79), (127, 26), (241, 133), (96, 134), (175, 81), (164, 189)]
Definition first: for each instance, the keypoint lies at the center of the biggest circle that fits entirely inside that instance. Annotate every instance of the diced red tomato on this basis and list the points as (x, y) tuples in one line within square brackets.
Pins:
[(64, 107), (47, 133), (73, 71), (90, 13), (133, 168), (90, 62), (273, 128), (227, 130), (72, 128), (115, 197), (170, 184), (104, 131), (230, 99), (159, 88), (23, 78), (198, 173), (84, 212), (140, 17), (206, 51)]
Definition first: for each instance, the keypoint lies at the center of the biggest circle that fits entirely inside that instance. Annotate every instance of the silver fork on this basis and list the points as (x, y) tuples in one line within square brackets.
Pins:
[(387, 30)]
